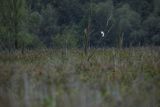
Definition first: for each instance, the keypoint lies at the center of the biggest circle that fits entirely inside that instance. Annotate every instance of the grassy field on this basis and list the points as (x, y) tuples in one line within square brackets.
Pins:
[(53, 78)]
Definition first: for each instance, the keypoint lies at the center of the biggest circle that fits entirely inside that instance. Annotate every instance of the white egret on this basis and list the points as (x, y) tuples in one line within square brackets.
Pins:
[(102, 33)]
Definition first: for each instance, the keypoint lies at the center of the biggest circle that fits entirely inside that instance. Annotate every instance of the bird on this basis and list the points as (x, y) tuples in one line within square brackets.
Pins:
[(102, 33)]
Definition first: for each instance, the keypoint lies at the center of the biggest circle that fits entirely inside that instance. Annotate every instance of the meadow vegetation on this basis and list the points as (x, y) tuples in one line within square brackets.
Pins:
[(79, 53), (112, 77)]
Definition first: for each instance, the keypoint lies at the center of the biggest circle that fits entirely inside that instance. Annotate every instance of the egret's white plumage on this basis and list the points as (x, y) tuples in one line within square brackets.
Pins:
[(102, 33)]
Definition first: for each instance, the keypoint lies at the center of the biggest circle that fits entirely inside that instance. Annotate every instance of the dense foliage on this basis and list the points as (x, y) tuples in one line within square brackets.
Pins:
[(27, 24)]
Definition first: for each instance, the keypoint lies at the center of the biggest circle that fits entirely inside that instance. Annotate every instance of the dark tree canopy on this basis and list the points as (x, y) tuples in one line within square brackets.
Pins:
[(27, 24)]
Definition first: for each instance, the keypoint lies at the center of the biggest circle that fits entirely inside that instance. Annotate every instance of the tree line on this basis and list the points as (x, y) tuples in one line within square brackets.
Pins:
[(31, 24)]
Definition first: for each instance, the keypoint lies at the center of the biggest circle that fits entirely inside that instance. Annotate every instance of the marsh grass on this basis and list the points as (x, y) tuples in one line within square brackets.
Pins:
[(112, 78)]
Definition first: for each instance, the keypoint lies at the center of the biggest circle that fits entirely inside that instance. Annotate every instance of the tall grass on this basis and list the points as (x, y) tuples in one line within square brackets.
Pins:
[(112, 78)]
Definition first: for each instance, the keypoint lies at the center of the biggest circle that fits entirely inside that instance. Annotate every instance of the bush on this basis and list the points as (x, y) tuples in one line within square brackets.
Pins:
[(66, 39), (27, 40)]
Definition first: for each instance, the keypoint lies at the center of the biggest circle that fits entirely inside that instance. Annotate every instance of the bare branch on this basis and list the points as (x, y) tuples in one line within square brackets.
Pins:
[(110, 17), (110, 29)]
